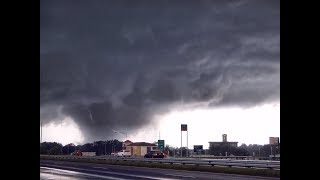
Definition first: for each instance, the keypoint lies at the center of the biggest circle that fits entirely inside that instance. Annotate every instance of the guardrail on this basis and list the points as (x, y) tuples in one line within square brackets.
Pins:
[(222, 157), (184, 161)]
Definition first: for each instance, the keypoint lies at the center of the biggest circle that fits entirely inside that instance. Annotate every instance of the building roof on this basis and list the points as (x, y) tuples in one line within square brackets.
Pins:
[(142, 144), (127, 141)]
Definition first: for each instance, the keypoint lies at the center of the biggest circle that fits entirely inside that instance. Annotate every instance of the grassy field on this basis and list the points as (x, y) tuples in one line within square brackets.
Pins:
[(214, 169)]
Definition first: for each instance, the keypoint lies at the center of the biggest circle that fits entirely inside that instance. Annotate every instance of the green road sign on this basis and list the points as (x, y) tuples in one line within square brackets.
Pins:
[(160, 144)]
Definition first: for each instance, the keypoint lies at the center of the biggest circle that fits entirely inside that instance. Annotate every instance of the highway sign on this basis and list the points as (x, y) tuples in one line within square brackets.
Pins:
[(184, 127), (161, 145), (197, 148)]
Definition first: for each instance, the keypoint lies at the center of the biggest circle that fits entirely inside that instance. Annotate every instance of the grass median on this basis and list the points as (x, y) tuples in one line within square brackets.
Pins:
[(214, 169)]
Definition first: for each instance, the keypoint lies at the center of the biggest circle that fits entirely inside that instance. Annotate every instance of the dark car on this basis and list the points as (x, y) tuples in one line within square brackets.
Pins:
[(154, 154)]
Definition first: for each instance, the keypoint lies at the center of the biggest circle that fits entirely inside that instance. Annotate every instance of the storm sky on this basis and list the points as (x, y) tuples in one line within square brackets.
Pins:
[(115, 64)]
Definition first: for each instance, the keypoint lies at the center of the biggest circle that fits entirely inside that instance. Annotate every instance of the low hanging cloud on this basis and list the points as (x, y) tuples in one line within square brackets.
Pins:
[(115, 64)]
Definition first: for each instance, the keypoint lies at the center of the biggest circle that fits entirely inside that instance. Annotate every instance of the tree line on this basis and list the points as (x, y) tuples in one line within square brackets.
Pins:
[(109, 146), (245, 150), (224, 150), (100, 147)]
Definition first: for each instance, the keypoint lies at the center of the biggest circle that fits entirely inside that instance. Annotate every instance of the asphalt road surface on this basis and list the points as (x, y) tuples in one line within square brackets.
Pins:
[(61, 170)]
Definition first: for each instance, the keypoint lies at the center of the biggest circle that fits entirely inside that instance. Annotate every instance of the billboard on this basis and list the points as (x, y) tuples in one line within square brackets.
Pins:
[(184, 127), (197, 148), (273, 140), (161, 144)]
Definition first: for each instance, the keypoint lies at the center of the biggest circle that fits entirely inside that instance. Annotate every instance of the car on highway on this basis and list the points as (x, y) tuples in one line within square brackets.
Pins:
[(114, 153), (124, 153), (155, 154)]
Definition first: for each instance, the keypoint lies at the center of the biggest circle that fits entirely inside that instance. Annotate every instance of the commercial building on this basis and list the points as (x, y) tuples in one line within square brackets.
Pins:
[(125, 144), (138, 148), (141, 148), (274, 140), (224, 142)]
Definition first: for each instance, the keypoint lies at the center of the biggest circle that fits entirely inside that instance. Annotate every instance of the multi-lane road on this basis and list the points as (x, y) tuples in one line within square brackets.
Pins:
[(190, 161), (50, 169)]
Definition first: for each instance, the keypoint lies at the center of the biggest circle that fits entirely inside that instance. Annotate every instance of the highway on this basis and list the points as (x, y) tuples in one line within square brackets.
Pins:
[(195, 161), (50, 169)]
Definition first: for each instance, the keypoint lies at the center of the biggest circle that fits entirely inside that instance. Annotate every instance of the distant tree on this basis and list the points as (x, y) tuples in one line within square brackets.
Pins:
[(100, 147), (243, 146), (277, 149), (56, 150), (87, 147), (44, 148), (117, 145), (178, 152), (266, 150), (68, 149), (225, 149), (50, 148), (169, 150), (78, 147), (240, 151)]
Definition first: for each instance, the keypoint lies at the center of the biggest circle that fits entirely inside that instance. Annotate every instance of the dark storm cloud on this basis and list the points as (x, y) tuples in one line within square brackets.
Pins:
[(115, 64)]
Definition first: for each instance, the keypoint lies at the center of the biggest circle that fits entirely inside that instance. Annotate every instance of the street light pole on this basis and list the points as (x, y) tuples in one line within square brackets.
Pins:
[(40, 131), (181, 144), (61, 146), (187, 146), (105, 144)]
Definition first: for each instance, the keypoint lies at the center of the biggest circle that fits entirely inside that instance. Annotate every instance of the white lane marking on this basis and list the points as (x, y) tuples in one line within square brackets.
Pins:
[(178, 175), (114, 173), (81, 173), (100, 168)]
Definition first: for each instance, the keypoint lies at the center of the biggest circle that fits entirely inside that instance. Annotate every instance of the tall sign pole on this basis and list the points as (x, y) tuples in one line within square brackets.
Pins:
[(187, 145), (184, 127), (181, 143)]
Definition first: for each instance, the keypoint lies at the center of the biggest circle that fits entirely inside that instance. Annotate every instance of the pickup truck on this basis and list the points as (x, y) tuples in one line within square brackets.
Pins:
[(124, 153)]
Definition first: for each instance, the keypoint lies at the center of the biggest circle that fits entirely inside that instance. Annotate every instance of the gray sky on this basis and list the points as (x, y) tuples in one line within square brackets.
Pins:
[(119, 64)]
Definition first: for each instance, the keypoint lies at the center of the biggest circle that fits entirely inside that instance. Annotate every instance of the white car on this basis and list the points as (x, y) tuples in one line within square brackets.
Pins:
[(124, 153)]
